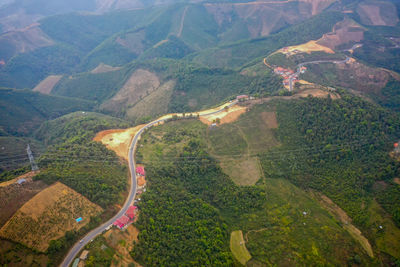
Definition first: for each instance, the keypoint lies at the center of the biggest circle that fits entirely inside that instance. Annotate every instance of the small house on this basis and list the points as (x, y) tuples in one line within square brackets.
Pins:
[(84, 255), (131, 212), (242, 97), (140, 170)]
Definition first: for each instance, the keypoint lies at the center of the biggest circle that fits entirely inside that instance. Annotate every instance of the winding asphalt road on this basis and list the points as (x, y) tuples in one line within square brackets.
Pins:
[(72, 254), (296, 74)]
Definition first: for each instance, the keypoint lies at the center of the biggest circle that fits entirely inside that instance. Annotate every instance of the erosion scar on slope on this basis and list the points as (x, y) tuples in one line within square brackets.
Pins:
[(182, 22)]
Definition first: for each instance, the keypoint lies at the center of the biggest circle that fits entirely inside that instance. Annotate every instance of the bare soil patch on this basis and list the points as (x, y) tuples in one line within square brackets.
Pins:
[(47, 216), (311, 46), (118, 140), (13, 196), (361, 77), (396, 180), (343, 32), (103, 68), (318, 5), (47, 85), (378, 13), (26, 39)]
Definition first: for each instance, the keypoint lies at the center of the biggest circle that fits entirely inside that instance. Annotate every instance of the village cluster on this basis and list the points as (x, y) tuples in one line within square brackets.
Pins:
[(288, 74), (131, 214)]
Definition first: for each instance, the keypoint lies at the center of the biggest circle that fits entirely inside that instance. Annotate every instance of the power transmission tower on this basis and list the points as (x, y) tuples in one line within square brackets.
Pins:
[(31, 159)]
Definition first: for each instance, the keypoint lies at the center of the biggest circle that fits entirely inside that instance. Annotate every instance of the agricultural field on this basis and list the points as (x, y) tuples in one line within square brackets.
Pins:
[(13, 196), (48, 216), (238, 247)]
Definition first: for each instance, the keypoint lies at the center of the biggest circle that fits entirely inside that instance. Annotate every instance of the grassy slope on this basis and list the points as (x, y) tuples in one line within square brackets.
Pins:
[(238, 247), (236, 145)]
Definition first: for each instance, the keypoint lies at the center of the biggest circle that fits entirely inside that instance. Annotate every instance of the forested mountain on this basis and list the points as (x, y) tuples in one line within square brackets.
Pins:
[(304, 171)]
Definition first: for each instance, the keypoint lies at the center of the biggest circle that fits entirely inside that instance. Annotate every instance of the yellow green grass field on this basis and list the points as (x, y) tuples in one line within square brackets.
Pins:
[(238, 247)]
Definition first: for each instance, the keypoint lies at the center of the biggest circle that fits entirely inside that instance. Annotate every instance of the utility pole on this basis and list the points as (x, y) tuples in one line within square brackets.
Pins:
[(31, 159)]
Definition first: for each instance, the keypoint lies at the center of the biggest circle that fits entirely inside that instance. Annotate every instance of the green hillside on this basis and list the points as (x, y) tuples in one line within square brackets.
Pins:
[(312, 150), (93, 87), (23, 110), (238, 54)]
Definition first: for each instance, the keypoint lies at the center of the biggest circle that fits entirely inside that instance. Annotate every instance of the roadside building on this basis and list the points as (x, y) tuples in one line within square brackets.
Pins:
[(84, 255), (131, 212), (242, 97), (140, 170), (121, 222)]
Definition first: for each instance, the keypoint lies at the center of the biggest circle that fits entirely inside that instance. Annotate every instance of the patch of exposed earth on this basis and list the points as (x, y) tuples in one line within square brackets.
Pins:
[(47, 85)]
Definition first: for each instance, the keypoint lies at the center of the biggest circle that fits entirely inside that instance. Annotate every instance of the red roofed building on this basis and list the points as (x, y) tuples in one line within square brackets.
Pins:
[(118, 224), (131, 212), (140, 170), (124, 219), (121, 222), (242, 97)]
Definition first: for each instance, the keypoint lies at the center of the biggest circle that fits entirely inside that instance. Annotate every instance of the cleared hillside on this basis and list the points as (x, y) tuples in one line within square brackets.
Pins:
[(47, 216)]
